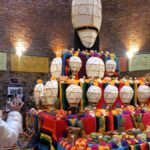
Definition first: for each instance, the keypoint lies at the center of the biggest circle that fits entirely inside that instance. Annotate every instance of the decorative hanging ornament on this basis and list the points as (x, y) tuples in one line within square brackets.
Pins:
[(110, 67), (56, 67), (75, 64), (87, 18), (143, 93), (94, 93), (51, 92), (126, 94), (73, 94), (95, 67), (110, 94), (38, 92)]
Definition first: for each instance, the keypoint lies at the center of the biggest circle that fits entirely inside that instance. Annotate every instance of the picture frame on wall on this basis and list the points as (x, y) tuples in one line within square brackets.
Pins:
[(15, 90)]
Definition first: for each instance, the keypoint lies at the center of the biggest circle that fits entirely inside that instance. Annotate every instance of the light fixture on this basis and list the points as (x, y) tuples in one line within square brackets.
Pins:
[(130, 54), (134, 48), (19, 53), (20, 47)]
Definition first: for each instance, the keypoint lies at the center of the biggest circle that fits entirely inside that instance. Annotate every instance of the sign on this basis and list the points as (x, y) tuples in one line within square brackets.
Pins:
[(123, 61), (29, 64), (140, 62), (3, 62)]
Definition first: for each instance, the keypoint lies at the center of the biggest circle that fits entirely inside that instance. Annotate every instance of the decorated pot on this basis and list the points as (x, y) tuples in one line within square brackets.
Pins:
[(73, 94), (94, 94), (56, 67), (75, 64), (95, 67), (126, 94), (110, 94)]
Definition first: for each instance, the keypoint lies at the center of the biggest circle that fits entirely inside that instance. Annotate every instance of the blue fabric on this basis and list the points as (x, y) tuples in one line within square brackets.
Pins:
[(43, 147), (122, 148), (118, 65), (59, 147), (106, 58), (117, 121), (65, 56)]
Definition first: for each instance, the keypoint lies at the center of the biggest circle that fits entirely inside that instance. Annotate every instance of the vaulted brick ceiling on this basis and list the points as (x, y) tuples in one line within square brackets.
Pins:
[(45, 25)]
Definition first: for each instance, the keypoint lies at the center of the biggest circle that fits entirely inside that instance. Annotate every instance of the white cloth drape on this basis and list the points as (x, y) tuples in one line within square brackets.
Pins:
[(10, 129)]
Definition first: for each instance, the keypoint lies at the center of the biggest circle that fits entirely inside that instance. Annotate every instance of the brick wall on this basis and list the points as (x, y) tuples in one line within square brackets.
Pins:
[(45, 26)]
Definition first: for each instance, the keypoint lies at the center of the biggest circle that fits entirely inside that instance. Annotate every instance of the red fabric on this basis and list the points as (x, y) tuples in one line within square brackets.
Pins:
[(89, 124), (111, 123), (128, 124), (57, 127), (82, 71), (118, 100), (145, 119), (114, 75), (143, 146), (101, 101), (67, 67), (123, 64)]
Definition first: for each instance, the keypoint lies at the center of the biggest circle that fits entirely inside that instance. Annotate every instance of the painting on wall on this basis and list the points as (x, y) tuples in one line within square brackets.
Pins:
[(139, 62)]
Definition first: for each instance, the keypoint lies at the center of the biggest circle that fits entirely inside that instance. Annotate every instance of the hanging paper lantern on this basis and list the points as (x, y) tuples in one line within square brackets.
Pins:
[(94, 94), (95, 67), (126, 94), (110, 94), (37, 92), (143, 93), (51, 92), (87, 18), (110, 67), (75, 64), (73, 94), (56, 67)]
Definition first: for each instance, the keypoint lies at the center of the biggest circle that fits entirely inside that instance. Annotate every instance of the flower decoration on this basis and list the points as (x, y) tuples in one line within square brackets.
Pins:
[(60, 114), (39, 81)]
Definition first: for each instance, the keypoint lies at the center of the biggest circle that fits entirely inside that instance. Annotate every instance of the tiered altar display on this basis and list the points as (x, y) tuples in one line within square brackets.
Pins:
[(86, 106)]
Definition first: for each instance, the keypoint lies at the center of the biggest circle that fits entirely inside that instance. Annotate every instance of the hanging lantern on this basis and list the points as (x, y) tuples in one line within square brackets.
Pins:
[(51, 92), (126, 94), (56, 67), (143, 94), (110, 94), (73, 94), (94, 94), (75, 64), (87, 18), (110, 67), (37, 93), (95, 67)]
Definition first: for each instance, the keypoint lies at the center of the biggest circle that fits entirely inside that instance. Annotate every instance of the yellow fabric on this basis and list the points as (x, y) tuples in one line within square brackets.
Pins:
[(132, 147), (135, 97), (81, 99), (61, 96), (101, 148), (48, 137)]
